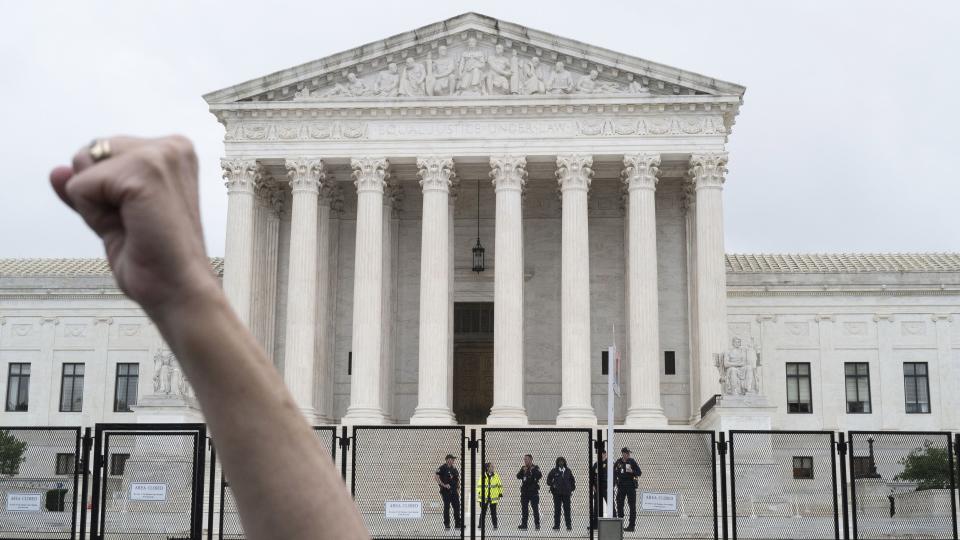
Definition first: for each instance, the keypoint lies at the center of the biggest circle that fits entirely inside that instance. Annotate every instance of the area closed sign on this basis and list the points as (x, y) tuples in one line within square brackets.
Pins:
[(148, 492), (658, 502), (404, 510), (24, 502)]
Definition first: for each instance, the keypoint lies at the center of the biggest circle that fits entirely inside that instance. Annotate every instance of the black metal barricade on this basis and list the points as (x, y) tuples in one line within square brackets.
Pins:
[(902, 485), (39, 478), (783, 484), (504, 449), (393, 484), (148, 481), (676, 493), (229, 526)]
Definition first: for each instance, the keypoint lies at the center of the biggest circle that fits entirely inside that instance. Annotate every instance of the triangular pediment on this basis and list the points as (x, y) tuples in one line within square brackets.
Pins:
[(473, 56)]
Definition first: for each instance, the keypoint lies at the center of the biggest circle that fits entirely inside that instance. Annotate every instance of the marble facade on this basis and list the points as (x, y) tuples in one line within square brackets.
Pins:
[(357, 185)]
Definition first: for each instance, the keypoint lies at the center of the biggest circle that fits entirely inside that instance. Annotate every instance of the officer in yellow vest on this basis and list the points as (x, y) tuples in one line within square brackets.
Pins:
[(490, 491)]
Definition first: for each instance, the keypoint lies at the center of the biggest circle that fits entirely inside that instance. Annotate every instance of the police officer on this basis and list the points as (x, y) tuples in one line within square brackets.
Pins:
[(625, 474), (448, 478), (562, 485), (529, 476), (598, 487)]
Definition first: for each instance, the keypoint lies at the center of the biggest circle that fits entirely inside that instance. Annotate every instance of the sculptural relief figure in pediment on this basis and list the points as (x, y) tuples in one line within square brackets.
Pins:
[(353, 88), (388, 82), (441, 78), (470, 71), (588, 84), (502, 69), (533, 77), (413, 79), (560, 81)]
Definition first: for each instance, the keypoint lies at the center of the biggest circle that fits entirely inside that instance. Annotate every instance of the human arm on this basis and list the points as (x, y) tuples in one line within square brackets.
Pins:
[(143, 203)]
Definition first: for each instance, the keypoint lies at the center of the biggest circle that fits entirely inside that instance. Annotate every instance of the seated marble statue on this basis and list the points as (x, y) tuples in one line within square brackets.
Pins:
[(738, 370)]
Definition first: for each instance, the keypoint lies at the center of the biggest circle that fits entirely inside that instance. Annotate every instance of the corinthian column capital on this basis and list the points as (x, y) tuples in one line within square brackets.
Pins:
[(305, 174), (641, 170), (241, 174), (574, 171), (370, 173), (436, 173), (508, 172), (707, 170)]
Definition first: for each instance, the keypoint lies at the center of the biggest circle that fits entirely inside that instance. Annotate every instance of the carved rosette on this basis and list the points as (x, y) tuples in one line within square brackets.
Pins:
[(641, 170), (305, 174), (508, 172), (436, 173), (707, 170), (574, 171), (241, 174), (370, 173)]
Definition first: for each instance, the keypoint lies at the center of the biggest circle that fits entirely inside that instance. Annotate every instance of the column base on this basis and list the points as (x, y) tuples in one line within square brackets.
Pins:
[(646, 418), (433, 416), (364, 416), (576, 416), (507, 416)]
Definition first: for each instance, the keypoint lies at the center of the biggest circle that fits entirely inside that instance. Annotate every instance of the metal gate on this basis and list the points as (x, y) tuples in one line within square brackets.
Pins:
[(229, 525), (677, 490), (148, 481), (504, 449), (392, 479), (783, 484), (39, 469), (902, 485)]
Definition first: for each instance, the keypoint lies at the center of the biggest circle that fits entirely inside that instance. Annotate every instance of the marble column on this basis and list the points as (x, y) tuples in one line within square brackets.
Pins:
[(242, 177), (574, 173), (433, 388), (298, 360), (366, 406), (263, 304), (322, 383), (640, 176), (509, 174), (392, 195), (707, 175)]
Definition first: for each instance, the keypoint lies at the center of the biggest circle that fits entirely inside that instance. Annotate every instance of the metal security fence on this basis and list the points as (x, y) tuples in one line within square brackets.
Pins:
[(676, 494), (39, 481), (148, 481), (903, 485), (504, 449), (229, 526), (392, 479), (783, 484)]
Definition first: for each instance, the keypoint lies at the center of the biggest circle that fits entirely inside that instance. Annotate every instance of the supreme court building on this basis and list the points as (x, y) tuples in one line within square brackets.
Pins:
[(452, 224)]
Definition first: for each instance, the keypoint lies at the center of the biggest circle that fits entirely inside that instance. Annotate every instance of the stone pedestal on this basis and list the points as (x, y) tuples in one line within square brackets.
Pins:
[(739, 412), (168, 409)]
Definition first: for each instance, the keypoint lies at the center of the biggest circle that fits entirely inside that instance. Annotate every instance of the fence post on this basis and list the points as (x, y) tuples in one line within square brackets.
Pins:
[(85, 476), (597, 496), (213, 483), (473, 482), (953, 481), (344, 445), (842, 453), (722, 450), (95, 485)]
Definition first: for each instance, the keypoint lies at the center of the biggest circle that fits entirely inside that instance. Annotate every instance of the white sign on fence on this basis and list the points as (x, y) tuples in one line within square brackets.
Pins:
[(403, 510), (148, 492), (24, 502), (658, 502)]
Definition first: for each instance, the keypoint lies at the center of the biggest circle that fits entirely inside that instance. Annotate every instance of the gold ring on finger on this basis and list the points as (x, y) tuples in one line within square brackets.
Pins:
[(99, 150)]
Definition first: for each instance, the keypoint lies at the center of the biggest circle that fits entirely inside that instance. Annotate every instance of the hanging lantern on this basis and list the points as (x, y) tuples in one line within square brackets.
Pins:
[(478, 262)]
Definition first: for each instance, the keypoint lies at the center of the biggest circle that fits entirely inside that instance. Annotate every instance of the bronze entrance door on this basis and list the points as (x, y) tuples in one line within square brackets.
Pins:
[(472, 361)]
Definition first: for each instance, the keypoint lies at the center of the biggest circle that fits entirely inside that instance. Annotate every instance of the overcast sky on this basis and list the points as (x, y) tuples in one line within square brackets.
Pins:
[(847, 140)]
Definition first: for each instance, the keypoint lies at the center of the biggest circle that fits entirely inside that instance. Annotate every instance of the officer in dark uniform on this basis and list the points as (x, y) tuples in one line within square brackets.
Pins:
[(529, 476), (625, 474), (598, 487), (448, 478)]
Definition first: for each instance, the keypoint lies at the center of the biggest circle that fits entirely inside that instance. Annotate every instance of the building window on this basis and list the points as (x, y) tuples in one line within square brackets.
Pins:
[(18, 387), (66, 464), (669, 362), (118, 464), (858, 387), (803, 468), (71, 388), (916, 387), (125, 397), (798, 388)]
